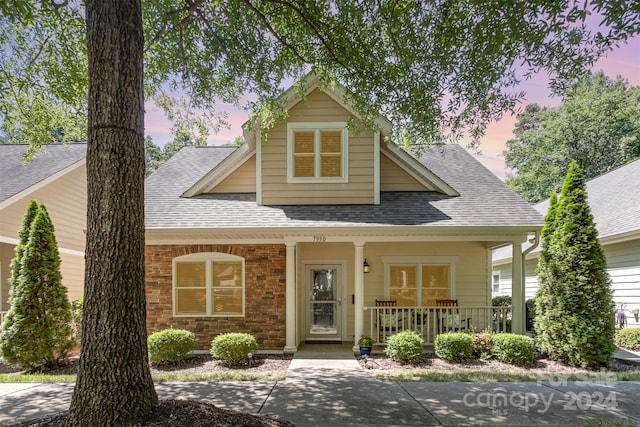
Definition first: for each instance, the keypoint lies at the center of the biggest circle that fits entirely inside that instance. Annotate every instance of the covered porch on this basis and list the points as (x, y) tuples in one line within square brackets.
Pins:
[(464, 262)]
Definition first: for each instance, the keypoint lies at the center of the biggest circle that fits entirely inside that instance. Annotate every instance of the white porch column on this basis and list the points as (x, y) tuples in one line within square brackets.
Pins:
[(358, 284), (290, 299), (517, 289)]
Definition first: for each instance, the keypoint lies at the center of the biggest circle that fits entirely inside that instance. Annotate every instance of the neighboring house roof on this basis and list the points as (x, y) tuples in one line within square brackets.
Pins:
[(483, 201), (18, 177), (614, 199)]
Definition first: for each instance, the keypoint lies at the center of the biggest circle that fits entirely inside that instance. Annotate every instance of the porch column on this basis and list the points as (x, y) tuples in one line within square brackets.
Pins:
[(358, 284), (517, 289), (290, 299)]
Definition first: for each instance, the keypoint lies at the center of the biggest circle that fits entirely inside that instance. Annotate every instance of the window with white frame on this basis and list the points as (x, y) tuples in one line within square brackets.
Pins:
[(208, 284), (317, 152), (418, 281), (496, 281)]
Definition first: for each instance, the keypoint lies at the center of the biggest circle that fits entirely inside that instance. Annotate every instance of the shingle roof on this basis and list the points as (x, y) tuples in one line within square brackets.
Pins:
[(16, 176), (614, 199), (484, 200)]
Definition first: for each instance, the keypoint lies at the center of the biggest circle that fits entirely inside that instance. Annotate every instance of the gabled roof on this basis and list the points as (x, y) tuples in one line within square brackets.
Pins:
[(17, 177), (614, 199), (483, 201)]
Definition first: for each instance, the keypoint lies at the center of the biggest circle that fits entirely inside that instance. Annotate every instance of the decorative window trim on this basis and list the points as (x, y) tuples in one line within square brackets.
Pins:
[(209, 258), (317, 127), (418, 262)]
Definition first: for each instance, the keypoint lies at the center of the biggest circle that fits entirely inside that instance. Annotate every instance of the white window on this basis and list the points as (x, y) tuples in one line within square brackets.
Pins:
[(418, 281), (496, 281), (208, 284), (317, 152)]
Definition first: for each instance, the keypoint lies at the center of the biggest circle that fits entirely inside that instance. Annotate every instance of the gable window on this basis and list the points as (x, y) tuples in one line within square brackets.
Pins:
[(208, 284), (317, 152), (418, 281)]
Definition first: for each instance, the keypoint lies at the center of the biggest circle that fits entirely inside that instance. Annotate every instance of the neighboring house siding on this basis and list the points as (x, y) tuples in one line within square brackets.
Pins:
[(6, 255), (623, 265), (265, 284), (623, 260), (65, 199), (318, 107), (242, 180), (394, 178)]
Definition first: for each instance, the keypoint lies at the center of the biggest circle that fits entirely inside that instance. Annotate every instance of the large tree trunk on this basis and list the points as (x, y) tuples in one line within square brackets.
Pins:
[(114, 383)]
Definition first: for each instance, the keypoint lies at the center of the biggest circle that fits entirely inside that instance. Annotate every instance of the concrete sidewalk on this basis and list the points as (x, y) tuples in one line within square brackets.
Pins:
[(330, 389)]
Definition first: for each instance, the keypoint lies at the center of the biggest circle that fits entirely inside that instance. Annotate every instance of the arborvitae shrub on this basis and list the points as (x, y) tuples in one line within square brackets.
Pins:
[(405, 346), (512, 348), (37, 333), (170, 345), (233, 348), (453, 346), (574, 320)]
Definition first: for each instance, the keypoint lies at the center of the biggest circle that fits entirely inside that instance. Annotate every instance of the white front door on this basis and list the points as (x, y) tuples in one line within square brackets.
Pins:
[(323, 301)]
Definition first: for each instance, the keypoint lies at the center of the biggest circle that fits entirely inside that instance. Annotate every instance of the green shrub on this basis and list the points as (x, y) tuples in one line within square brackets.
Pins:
[(36, 333), (628, 338), (233, 348), (512, 348), (76, 317), (406, 346), (453, 346), (170, 345), (482, 344), (574, 321)]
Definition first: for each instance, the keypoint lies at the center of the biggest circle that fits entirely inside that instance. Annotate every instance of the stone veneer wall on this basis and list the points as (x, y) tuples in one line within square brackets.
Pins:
[(265, 283)]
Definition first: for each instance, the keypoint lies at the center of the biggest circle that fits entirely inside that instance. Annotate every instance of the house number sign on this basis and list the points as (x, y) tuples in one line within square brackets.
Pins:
[(318, 238)]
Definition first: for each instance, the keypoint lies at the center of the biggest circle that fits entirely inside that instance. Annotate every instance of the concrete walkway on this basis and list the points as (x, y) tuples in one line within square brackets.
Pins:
[(326, 387)]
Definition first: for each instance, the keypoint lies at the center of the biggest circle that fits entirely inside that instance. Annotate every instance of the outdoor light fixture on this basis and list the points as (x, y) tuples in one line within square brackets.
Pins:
[(365, 266)]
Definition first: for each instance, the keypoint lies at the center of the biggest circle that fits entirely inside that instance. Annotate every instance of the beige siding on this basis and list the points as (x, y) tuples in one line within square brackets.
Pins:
[(242, 180), (394, 178), (470, 287), (318, 107), (6, 254), (65, 199)]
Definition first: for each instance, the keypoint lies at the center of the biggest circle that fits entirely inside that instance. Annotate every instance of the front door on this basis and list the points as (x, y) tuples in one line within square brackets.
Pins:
[(324, 302)]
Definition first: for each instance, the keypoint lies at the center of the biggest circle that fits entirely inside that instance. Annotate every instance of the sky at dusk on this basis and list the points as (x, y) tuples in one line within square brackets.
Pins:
[(623, 61)]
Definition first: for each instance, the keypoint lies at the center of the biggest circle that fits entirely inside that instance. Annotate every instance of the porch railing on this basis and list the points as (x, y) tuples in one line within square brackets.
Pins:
[(431, 321), (2, 314)]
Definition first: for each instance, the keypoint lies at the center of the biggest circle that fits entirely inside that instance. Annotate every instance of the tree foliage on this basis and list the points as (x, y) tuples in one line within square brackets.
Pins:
[(597, 125), (574, 309), (37, 333), (431, 67)]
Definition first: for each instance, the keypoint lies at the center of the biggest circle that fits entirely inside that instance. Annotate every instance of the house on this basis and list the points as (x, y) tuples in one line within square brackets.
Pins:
[(57, 177), (294, 235), (614, 199)]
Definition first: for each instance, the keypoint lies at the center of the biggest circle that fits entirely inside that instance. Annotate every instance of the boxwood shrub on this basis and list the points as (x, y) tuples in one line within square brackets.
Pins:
[(233, 348), (406, 346), (453, 346), (512, 348), (628, 338), (170, 345)]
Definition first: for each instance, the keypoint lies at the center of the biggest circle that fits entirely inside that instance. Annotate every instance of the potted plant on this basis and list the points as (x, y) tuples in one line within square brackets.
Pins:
[(365, 342)]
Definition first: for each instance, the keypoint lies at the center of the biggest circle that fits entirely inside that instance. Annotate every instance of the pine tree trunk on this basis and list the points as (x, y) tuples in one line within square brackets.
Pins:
[(114, 384)]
